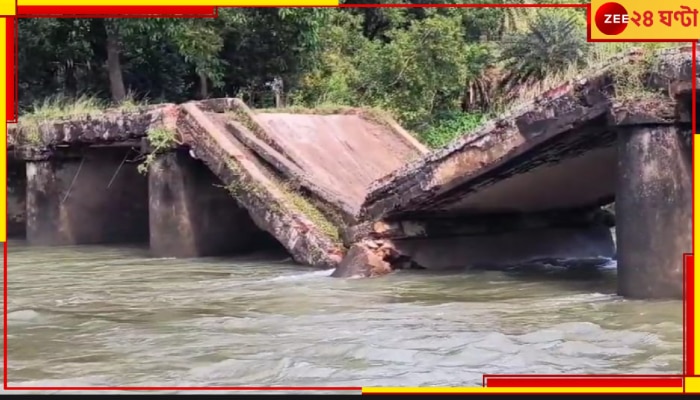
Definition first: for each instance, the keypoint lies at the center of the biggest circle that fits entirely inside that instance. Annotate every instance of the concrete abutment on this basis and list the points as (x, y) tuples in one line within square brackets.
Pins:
[(96, 199), (192, 215), (654, 211)]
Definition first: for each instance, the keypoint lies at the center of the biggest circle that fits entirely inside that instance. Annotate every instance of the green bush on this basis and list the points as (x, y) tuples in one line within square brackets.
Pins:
[(450, 126)]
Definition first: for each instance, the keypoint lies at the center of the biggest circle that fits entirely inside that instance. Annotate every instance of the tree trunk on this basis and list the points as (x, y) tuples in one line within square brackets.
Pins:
[(71, 83), (114, 67), (203, 87)]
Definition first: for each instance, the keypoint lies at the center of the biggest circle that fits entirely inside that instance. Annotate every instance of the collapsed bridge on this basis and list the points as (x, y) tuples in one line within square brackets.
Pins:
[(219, 178), (349, 188)]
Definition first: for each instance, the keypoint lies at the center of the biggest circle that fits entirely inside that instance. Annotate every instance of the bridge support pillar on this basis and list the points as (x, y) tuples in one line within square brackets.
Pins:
[(98, 199), (16, 199), (653, 210), (192, 215)]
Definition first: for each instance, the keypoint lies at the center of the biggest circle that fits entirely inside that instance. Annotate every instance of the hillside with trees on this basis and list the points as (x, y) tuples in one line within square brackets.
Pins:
[(439, 71)]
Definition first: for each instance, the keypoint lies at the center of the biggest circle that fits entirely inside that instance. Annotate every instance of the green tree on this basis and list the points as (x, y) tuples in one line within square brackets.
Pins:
[(553, 43), (440, 71)]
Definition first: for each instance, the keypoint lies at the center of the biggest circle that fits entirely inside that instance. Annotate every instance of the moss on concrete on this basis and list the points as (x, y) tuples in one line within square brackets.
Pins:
[(306, 207), (160, 140), (291, 195)]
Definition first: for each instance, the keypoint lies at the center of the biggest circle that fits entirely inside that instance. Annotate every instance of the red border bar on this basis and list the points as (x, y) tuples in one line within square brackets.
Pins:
[(568, 381), (116, 11), (557, 381), (11, 69)]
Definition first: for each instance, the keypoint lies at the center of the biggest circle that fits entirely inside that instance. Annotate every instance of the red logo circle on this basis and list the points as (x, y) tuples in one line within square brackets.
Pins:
[(611, 18)]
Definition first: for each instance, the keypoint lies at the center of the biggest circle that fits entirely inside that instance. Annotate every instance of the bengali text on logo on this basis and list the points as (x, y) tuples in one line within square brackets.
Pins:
[(641, 20)]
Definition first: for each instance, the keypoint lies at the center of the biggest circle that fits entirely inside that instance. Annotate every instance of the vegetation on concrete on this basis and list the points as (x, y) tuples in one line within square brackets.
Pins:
[(292, 196), (304, 206), (631, 79), (61, 108), (161, 140)]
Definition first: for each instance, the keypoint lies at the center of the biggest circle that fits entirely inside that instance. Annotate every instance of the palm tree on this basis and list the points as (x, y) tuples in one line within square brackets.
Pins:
[(552, 43), (482, 78)]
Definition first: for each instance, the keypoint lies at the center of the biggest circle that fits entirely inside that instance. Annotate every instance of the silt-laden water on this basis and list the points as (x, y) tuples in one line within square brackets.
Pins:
[(88, 316)]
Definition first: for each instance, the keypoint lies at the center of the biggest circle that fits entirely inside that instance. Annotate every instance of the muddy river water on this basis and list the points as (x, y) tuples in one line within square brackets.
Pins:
[(112, 316)]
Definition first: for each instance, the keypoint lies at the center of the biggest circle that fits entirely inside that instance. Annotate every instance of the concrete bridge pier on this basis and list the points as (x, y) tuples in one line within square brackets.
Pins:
[(192, 215), (96, 198), (16, 199), (653, 210)]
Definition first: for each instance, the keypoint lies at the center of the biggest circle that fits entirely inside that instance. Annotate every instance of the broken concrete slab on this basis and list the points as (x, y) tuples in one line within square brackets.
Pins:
[(269, 204), (343, 152), (554, 152), (337, 151), (330, 154), (332, 204)]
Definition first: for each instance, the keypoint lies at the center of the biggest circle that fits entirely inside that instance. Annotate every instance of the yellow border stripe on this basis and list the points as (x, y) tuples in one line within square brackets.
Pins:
[(3, 131), (7, 7), (426, 390), (221, 3), (692, 385)]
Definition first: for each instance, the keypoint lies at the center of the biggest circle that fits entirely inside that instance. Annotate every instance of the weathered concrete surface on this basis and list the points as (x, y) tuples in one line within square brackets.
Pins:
[(94, 200), (332, 204), (192, 215), (654, 209), (342, 152), (37, 139)]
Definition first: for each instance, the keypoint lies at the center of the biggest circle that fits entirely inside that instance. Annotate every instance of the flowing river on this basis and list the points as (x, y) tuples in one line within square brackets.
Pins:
[(108, 316)]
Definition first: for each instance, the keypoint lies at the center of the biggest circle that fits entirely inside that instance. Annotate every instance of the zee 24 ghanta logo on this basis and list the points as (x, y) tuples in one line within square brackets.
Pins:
[(612, 18)]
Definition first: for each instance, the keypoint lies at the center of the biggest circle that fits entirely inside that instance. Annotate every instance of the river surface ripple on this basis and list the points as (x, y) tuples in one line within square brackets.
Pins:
[(104, 316)]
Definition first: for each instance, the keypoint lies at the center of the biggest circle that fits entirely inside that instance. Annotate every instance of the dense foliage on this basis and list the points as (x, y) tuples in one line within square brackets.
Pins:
[(440, 71)]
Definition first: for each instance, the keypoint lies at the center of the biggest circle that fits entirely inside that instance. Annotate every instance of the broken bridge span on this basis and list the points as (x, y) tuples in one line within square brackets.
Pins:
[(349, 188)]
